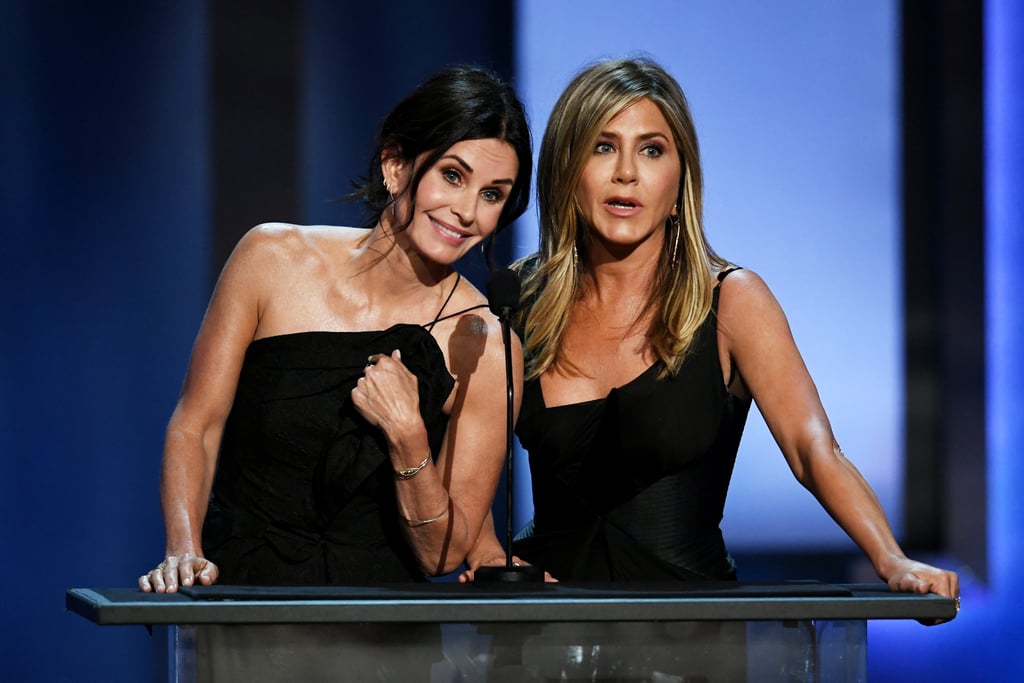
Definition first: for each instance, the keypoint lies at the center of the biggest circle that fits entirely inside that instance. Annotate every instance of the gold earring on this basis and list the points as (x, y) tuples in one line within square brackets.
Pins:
[(677, 225)]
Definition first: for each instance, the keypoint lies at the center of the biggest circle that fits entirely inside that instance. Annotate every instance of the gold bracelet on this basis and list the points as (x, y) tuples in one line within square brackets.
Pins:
[(413, 523), (411, 472)]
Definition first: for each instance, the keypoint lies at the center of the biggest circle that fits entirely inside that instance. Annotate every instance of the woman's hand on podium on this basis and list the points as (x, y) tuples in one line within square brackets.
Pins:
[(468, 575), (909, 576), (186, 570)]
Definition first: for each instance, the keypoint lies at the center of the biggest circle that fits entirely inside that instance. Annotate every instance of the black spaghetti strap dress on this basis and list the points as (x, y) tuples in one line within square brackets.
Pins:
[(633, 486), (304, 491)]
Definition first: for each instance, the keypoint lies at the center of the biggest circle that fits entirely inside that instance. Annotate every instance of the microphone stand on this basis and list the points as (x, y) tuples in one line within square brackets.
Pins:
[(511, 572)]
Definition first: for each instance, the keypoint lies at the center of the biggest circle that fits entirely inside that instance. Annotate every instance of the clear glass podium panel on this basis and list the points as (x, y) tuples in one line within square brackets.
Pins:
[(677, 651)]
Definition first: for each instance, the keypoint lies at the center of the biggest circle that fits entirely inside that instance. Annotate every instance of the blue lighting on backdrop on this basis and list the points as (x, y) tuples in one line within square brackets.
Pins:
[(983, 643)]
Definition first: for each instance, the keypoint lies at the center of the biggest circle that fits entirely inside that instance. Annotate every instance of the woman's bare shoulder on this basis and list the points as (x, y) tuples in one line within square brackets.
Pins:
[(747, 308), (740, 285), (270, 243), (474, 340), (292, 236), (471, 313)]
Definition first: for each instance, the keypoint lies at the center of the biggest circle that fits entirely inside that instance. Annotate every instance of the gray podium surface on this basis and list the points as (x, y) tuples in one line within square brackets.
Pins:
[(546, 632)]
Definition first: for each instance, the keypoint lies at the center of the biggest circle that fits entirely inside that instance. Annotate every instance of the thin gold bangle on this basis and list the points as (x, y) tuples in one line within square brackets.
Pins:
[(413, 523), (411, 472)]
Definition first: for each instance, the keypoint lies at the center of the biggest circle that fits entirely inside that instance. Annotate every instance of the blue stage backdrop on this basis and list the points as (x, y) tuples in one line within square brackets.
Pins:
[(103, 213), (106, 193)]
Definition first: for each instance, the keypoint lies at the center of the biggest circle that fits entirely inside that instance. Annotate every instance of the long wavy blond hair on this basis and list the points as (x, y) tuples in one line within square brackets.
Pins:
[(681, 292)]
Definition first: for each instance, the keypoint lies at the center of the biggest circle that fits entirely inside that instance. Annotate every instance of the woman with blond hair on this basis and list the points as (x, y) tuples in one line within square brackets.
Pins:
[(644, 350)]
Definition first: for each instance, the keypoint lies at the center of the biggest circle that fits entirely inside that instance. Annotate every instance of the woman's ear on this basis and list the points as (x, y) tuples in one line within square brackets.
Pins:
[(393, 168)]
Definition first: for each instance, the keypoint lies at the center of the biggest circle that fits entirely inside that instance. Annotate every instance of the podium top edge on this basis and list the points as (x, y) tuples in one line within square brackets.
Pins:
[(460, 603)]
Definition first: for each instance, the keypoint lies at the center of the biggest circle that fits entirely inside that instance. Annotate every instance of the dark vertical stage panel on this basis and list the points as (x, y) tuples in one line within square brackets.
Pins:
[(255, 49), (944, 285), (361, 58), (103, 217), (297, 90)]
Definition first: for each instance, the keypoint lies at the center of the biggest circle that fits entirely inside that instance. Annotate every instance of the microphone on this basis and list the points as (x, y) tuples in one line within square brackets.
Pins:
[(503, 288), (503, 294)]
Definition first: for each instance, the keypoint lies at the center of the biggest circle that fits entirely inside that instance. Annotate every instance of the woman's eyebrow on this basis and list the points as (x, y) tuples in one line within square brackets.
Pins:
[(469, 169)]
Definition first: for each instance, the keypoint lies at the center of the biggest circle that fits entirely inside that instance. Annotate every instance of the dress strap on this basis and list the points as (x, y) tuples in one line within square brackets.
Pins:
[(438, 317), (455, 314), (714, 307), (724, 273)]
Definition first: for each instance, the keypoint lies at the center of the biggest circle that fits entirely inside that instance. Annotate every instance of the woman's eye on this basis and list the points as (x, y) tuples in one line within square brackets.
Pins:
[(603, 148), (493, 195), (652, 151), (451, 175)]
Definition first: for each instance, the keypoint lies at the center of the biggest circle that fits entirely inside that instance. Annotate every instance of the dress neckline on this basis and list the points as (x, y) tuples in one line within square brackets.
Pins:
[(600, 399), (594, 401), (314, 333), (259, 344)]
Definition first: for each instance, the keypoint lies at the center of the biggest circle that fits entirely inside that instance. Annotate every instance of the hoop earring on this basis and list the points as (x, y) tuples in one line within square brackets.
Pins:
[(677, 225)]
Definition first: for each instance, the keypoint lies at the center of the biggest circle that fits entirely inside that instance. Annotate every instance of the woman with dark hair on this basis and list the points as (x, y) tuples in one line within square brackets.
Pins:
[(335, 421), (644, 351)]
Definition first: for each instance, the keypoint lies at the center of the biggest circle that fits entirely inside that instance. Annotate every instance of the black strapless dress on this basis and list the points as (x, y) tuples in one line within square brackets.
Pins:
[(304, 492)]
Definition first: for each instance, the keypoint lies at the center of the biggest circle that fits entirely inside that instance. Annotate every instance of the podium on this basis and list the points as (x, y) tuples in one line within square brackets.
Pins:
[(442, 632)]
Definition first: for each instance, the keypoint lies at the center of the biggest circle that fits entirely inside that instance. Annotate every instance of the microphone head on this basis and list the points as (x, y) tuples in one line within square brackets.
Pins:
[(503, 291)]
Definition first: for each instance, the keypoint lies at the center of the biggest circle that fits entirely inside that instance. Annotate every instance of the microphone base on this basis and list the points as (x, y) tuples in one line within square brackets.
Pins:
[(490, 576)]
